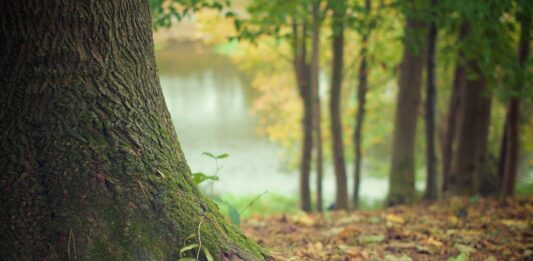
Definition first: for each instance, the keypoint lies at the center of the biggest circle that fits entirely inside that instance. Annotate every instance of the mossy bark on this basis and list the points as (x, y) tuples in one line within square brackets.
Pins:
[(91, 168)]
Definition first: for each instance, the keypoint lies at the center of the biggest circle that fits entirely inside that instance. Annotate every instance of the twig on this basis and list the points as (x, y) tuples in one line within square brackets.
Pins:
[(199, 241), (253, 201)]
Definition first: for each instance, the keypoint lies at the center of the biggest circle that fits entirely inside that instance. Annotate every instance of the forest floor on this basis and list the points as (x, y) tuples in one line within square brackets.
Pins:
[(455, 229)]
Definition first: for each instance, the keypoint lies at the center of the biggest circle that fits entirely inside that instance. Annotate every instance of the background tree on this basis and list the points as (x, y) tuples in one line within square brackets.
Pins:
[(315, 70), (290, 21), (362, 88), (402, 170), (454, 106), (431, 98), (338, 20), (487, 51), (511, 138), (91, 166)]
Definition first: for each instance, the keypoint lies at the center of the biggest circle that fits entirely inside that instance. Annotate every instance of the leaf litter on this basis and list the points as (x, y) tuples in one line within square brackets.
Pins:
[(455, 229)]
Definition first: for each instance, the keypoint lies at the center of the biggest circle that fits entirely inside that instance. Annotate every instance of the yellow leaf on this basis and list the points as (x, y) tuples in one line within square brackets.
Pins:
[(303, 219), (434, 242), (395, 219)]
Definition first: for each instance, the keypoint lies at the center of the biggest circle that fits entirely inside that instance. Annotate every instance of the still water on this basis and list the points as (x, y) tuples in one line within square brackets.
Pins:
[(210, 103)]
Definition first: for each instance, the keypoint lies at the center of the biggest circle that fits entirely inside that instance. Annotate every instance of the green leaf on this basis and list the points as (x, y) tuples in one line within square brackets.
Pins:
[(372, 239), (222, 156), (209, 155), (200, 177), (191, 236), (208, 255), (187, 248)]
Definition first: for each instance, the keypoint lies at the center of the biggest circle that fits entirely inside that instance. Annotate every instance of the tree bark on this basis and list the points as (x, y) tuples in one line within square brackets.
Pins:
[(471, 155), (91, 165), (431, 97), (511, 138), (402, 172), (452, 120), (334, 105), (315, 70), (302, 72), (359, 120)]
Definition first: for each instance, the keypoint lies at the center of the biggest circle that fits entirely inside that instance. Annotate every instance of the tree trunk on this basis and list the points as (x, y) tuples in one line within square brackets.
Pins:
[(453, 111), (431, 97), (302, 72), (334, 105), (471, 155), (451, 131), (402, 172), (315, 41), (511, 138), (361, 98), (484, 176), (91, 166)]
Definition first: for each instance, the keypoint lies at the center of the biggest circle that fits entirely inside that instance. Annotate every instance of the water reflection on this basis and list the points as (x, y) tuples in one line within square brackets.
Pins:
[(210, 106)]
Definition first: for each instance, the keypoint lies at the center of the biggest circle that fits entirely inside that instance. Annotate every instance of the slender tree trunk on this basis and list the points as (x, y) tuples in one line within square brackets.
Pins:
[(452, 121), (402, 172), (431, 97), (471, 155), (483, 175), (315, 41), (511, 138), (453, 111), (91, 165), (359, 120), (302, 72), (335, 102)]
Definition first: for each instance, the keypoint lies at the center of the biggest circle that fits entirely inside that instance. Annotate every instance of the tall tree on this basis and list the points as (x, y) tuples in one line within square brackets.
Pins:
[(361, 103), (473, 134), (453, 112), (91, 165), (402, 170), (431, 97), (302, 70), (317, 128), (339, 12), (510, 140), (487, 51), (288, 21)]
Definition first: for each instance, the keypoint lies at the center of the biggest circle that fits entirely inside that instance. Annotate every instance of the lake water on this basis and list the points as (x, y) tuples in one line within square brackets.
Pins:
[(210, 103)]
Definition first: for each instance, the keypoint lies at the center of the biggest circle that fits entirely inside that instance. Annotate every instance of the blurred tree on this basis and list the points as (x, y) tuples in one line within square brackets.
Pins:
[(473, 133), (402, 170), (431, 97), (338, 20), (511, 137), (290, 21), (486, 51), (361, 100), (315, 70), (454, 106), (90, 162), (164, 12)]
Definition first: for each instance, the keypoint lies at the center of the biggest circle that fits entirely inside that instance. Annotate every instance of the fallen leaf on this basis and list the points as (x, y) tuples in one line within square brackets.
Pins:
[(395, 219), (372, 239)]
